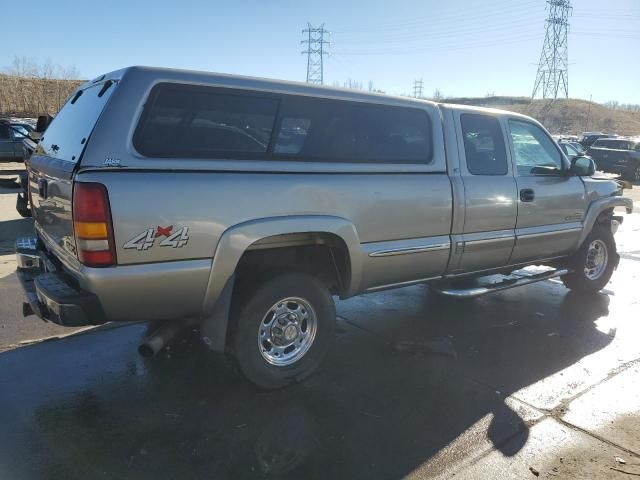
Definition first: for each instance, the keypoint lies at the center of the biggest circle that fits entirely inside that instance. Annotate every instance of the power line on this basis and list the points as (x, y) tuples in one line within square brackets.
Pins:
[(315, 51), (478, 13), (448, 33), (552, 76), (443, 47)]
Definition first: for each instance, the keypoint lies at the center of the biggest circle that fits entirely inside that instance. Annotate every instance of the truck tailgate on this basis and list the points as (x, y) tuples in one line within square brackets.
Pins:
[(52, 165)]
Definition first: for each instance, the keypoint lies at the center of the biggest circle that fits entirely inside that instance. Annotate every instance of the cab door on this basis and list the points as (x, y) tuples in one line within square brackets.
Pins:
[(490, 207), (551, 203)]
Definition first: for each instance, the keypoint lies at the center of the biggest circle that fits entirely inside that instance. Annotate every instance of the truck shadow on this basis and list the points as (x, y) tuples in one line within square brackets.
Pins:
[(88, 405)]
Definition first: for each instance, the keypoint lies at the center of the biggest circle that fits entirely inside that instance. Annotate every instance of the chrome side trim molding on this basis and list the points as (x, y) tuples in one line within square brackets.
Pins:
[(547, 233), (400, 284), (408, 250)]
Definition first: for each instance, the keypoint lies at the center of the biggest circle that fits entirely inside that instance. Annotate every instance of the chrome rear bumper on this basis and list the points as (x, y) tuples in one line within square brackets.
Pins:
[(50, 294)]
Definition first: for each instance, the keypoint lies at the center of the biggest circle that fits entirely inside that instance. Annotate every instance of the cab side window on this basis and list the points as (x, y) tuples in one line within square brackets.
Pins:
[(534, 151), (483, 144)]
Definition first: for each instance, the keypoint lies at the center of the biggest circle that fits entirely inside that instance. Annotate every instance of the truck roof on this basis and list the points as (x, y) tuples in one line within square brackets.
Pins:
[(281, 86)]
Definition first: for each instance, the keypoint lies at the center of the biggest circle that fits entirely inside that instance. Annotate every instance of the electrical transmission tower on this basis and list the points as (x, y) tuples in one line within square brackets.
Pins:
[(417, 88), (552, 79), (315, 51)]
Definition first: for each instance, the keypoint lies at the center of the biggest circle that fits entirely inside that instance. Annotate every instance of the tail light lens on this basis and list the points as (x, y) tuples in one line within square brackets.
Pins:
[(92, 225)]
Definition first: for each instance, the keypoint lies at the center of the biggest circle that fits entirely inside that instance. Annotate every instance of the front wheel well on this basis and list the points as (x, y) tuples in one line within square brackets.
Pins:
[(604, 218)]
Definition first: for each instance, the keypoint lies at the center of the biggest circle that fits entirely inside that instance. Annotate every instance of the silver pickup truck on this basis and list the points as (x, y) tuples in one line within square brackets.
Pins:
[(243, 206)]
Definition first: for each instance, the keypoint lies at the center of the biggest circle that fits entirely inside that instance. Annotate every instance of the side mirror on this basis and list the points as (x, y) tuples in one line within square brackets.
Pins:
[(583, 166)]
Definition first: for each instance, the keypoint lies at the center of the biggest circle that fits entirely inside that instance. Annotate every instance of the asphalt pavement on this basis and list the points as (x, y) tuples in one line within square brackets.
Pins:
[(525, 383)]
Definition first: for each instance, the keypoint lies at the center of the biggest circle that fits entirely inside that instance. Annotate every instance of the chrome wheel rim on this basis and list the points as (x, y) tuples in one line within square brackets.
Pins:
[(287, 331), (597, 258)]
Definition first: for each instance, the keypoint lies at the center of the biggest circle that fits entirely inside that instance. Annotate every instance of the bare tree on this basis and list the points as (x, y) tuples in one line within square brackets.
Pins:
[(28, 87)]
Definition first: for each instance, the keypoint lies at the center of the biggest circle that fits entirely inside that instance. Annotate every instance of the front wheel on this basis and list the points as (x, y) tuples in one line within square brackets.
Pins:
[(593, 264), (282, 330)]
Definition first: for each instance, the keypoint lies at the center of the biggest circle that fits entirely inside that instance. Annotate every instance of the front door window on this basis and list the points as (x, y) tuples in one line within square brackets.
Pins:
[(534, 151)]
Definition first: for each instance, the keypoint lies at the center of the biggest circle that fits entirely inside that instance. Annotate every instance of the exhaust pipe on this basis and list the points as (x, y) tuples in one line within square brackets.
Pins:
[(163, 335)]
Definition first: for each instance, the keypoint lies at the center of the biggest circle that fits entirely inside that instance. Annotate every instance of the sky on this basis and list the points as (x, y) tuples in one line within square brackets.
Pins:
[(460, 47)]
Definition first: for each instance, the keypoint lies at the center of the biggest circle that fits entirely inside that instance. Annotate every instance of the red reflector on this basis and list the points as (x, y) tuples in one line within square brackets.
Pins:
[(91, 206), (101, 258)]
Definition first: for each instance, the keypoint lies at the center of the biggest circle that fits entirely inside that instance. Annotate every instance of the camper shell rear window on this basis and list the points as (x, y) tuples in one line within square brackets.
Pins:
[(67, 135)]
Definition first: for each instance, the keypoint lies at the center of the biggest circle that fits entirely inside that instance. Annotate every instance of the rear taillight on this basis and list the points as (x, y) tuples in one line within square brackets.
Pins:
[(92, 225)]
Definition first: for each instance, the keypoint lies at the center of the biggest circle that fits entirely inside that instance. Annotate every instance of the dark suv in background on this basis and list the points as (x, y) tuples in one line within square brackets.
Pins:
[(589, 137), (617, 155)]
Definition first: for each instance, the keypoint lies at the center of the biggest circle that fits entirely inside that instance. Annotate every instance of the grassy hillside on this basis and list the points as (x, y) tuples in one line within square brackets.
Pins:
[(565, 116)]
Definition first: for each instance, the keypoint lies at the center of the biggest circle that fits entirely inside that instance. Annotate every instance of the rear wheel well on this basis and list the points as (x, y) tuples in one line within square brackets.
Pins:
[(322, 255)]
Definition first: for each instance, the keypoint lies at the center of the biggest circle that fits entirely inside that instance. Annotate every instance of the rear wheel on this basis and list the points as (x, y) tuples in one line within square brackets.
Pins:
[(593, 264), (282, 329)]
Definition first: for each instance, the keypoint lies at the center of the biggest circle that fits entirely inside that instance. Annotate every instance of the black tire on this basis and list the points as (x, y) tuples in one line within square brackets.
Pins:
[(247, 314), (578, 279)]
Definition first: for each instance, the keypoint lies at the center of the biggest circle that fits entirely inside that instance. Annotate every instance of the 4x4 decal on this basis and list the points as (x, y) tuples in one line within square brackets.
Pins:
[(146, 239)]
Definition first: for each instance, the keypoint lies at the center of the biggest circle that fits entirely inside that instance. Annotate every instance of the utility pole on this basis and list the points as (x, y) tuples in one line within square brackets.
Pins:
[(315, 51), (552, 78), (417, 88), (586, 128)]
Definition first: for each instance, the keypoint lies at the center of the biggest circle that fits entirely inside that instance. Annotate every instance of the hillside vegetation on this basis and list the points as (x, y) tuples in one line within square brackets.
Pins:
[(22, 96), (570, 116)]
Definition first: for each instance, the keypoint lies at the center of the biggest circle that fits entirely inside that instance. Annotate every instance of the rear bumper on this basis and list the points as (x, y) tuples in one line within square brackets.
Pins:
[(49, 293)]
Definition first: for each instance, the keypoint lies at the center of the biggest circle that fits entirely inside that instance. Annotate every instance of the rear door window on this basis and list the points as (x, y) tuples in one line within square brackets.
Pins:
[(69, 131), (205, 122), (483, 144)]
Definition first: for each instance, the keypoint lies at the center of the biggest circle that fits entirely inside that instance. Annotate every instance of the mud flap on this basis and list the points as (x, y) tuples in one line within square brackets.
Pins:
[(213, 328)]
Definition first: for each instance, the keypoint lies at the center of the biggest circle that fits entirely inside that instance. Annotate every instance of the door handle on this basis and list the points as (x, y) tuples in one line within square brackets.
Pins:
[(527, 195)]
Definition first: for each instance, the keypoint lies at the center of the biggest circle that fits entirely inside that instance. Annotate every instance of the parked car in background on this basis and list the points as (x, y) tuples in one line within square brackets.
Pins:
[(589, 137), (578, 147), (617, 155), (11, 136), (570, 150)]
